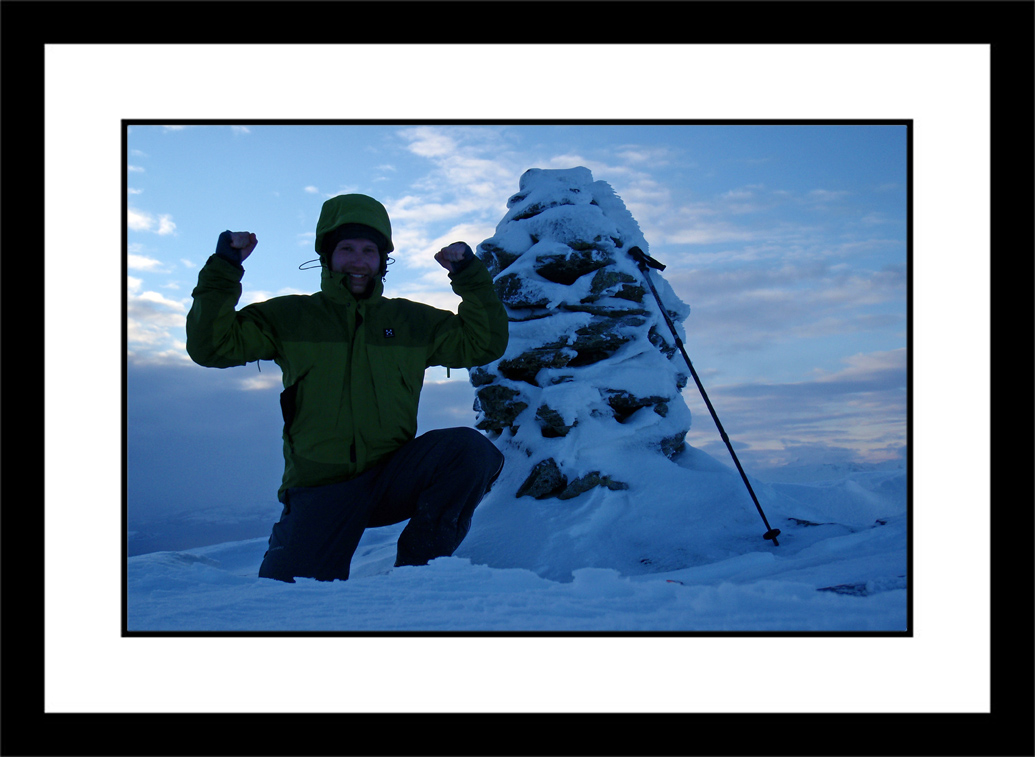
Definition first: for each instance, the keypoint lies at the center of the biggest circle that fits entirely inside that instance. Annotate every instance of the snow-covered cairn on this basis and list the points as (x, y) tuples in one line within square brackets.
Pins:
[(591, 378)]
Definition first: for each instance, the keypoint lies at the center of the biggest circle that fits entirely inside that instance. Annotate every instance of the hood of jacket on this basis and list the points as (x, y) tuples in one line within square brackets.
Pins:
[(353, 208)]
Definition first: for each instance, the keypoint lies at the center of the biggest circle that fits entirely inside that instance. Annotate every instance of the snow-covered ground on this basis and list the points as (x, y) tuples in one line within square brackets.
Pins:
[(678, 553)]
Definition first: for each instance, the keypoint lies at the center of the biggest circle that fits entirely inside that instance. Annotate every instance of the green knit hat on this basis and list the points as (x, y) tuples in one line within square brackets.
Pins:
[(353, 209)]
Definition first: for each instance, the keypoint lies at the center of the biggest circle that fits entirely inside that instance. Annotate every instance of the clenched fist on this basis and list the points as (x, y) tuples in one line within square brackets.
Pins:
[(236, 246), (455, 257)]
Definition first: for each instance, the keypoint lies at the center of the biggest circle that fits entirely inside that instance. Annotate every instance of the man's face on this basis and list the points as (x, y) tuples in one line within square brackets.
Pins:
[(360, 260)]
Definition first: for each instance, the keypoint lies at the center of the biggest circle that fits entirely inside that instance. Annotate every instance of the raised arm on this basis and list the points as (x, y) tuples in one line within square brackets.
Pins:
[(218, 335), (479, 333)]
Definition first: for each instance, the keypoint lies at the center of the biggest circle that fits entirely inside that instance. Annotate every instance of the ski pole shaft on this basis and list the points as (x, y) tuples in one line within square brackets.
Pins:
[(644, 262), (771, 533)]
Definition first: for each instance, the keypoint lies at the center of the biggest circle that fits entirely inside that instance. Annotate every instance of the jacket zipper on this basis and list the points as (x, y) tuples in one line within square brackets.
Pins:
[(352, 361)]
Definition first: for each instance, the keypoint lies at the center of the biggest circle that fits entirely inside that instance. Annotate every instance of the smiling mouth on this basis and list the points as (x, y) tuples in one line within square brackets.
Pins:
[(358, 282)]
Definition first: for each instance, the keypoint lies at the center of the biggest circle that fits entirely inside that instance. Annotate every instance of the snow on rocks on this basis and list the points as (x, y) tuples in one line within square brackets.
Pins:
[(589, 353)]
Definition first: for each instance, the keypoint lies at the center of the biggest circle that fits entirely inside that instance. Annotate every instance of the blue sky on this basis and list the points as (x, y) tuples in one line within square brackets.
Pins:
[(788, 241)]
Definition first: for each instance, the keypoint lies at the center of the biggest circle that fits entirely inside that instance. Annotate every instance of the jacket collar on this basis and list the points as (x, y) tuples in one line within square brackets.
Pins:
[(333, 285)]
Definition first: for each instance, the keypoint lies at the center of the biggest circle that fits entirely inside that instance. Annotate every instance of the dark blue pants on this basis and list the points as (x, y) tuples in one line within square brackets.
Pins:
[(434, 481)]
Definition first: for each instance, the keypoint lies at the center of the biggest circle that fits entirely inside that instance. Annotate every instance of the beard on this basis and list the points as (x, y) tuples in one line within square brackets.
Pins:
[(361, 288)]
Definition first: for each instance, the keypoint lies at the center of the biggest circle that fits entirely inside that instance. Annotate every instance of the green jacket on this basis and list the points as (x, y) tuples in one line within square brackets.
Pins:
[(353, 368)]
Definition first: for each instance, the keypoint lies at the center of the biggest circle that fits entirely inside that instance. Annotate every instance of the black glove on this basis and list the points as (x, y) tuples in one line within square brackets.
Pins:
[(465, 261), (224, 250)]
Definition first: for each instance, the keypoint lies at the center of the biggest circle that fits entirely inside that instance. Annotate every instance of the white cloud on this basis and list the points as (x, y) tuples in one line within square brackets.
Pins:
[(429, 141), (416, 208), (150, 329), (431, 289), (859, 410), (471, 175), (264, 379), (174, 355), (249, 296), (155, 301), (139, 220), (827, 195), (870, 367), (151, 318), (142, 263), (874, 218), (739, 194), (708, 234), (644, 154)]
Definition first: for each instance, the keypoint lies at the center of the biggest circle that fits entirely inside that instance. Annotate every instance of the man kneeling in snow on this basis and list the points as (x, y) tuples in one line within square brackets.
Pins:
[(353, 362)]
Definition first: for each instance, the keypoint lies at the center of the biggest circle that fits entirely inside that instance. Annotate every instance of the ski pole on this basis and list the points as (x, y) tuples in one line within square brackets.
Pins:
[(645, 262)]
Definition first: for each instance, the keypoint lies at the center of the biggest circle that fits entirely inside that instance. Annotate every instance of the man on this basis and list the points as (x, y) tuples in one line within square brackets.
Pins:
[(353, 362)]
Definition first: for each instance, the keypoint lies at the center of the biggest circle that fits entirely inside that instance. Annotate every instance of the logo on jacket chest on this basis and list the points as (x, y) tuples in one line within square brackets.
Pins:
[(389, 333)]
